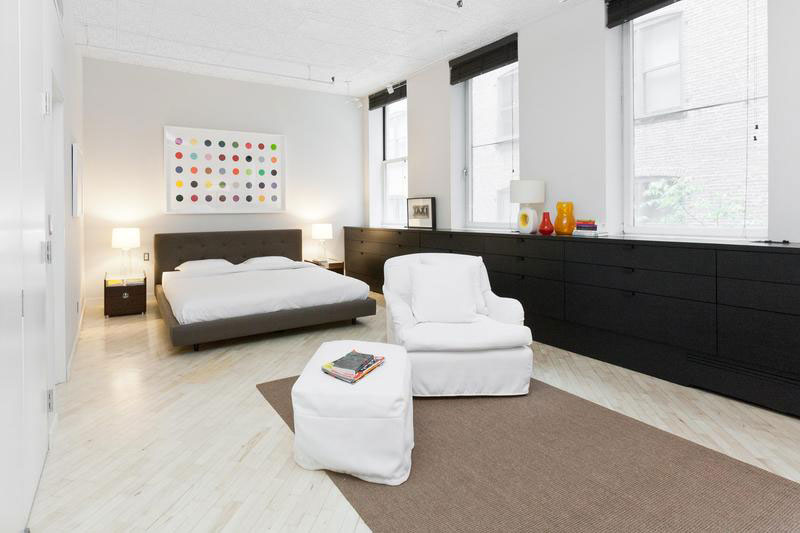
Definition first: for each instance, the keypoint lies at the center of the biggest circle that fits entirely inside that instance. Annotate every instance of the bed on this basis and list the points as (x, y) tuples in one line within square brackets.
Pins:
[(217, 306)]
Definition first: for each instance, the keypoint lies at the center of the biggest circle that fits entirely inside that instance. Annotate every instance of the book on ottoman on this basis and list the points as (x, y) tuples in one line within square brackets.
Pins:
[(353, 366)]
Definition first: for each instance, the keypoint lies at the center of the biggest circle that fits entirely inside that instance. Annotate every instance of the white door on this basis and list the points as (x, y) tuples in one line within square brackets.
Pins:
[(13, 511)]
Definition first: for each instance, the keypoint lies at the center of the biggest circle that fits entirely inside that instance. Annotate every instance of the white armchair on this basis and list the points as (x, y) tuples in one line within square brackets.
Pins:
[(490, 356)]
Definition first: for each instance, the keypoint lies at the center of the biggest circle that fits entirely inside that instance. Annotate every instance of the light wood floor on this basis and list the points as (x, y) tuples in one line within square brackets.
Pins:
[(152, 438)]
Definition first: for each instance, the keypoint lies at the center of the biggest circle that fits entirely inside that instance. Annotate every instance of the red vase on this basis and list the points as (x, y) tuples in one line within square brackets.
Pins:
[(546, 227)]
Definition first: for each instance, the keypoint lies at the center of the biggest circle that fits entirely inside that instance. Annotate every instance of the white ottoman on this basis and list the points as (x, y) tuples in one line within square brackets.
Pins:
[(365, 429)]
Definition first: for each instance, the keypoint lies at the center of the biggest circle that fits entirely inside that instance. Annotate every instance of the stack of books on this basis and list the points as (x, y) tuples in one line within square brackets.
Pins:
[(353, 366), (586, 228)]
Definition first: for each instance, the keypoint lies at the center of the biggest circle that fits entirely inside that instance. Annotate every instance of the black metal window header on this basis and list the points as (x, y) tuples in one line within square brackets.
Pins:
[(621, 11), (383, 98), (484, 59)]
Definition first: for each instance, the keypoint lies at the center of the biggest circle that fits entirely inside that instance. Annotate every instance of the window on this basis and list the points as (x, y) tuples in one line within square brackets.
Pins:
[(492, 146), (697, 131), (395, 162)]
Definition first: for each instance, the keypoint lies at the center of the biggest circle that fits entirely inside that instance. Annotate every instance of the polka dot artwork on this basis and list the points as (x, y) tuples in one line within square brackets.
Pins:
[(257, 156)]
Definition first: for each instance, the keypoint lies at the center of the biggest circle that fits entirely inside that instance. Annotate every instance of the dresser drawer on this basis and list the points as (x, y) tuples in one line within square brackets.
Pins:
[(761, 295), (380, 248), (757, 266), (664, 258), (399, 236), (452, 242), (525, 247), (673, 284), (537, 296), (672, 321), (125, 300), (369, 264), (540, 268), (760, 339)]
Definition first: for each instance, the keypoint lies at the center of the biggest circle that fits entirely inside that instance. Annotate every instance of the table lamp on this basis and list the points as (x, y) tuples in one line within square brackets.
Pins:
[(526, 193), (322, 233), (125, 239)]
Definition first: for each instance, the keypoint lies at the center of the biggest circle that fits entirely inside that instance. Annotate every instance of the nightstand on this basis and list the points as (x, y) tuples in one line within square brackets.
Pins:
[(334, 265), (125, 295)]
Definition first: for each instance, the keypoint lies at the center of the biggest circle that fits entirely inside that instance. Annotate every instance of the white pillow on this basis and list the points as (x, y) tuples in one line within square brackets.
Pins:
[(205, 265), (475, 263), (443, 293), (270, 261)]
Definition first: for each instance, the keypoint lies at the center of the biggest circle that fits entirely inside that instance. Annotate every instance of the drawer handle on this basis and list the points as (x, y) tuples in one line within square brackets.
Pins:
[(630, 294), (125, 295), (631, 270), (520, 258)]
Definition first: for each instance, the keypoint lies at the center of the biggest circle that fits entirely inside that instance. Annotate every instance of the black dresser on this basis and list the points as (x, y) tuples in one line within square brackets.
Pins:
[(718, 316)]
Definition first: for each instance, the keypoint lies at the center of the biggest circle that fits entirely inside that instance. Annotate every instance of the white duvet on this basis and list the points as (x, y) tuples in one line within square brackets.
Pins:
[(248, 290)]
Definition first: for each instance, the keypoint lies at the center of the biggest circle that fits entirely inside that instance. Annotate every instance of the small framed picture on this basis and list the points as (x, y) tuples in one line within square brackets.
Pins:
[(422, 213)]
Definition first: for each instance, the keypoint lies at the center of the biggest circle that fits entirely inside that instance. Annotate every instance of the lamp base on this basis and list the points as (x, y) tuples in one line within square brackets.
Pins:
[(527, 219)]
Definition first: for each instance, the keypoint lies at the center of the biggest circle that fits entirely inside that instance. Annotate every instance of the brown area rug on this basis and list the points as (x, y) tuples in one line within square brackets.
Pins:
[(551, 461)]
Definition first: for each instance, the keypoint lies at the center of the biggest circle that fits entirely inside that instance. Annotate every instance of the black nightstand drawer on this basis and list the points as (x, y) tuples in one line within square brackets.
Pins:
[(409, 238), (530, 266), (125, 300), (452, 242), (525, 246), (672, 321), (672, 284), (664, 258)]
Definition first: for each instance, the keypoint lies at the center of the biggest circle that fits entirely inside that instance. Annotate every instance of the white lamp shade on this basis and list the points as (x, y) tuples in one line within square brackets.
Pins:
[(527, 191), (321, 232), (125, 238)]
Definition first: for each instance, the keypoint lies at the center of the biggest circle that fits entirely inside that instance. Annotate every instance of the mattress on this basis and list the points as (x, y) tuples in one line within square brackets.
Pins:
[(201, 297)]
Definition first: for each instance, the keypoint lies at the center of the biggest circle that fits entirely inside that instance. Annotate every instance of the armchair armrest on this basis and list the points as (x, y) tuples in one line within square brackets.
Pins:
[(399, 316), (506, 310)]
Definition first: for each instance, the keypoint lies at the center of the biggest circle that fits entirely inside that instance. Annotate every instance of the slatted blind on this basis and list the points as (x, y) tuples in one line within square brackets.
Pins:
[(485, 59)]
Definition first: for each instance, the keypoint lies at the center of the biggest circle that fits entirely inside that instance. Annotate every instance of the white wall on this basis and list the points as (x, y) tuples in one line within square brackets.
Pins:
[(429, 137), (784, 113), (564, 73), (125, 109)]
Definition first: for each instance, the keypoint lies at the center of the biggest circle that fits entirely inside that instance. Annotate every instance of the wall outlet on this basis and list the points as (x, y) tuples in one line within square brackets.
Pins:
[(147, 256)]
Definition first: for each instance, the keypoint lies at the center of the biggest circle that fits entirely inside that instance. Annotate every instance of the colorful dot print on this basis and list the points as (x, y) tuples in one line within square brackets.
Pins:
[(215, 171)]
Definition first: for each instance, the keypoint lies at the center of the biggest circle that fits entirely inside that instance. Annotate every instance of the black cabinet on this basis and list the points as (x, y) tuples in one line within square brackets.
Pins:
[(717, 316)]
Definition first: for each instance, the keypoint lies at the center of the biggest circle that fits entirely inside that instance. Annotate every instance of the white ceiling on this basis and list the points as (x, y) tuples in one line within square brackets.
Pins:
[(370, 43)]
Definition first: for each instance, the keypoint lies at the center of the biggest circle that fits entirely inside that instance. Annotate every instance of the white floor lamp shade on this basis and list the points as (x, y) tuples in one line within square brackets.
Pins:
[(527, 192)]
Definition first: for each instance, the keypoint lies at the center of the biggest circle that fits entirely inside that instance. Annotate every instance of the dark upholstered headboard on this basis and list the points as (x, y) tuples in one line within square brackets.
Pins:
[(172, 249)]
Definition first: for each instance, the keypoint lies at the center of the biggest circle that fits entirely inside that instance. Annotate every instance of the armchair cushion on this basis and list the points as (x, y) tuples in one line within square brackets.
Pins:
[(443, 293), (482, 334)]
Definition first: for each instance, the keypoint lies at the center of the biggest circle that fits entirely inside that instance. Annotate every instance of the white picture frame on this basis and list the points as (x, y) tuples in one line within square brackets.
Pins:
[(223, 172)]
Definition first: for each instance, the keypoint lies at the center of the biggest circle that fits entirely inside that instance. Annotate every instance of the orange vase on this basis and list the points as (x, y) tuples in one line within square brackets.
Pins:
[(565, 219)]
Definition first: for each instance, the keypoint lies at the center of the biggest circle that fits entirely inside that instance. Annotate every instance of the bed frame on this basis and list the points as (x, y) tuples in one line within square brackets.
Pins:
[(172, 249)]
